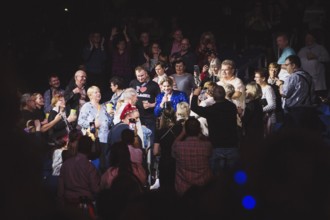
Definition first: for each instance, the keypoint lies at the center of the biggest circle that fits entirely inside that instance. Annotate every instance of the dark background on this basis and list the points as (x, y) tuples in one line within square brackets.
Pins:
[(30, 26)]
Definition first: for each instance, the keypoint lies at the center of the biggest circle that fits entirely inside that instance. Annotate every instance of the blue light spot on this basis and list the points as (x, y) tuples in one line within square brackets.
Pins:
[(248, 202), (240, 177)]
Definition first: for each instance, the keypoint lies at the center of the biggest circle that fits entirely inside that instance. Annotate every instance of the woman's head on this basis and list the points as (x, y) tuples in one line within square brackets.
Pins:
[(120, 156), (39, 99), (74, 136), (260, 77), (253, 91), (215, 65), (117, 83), (209, 86), (94, 93), (58, 101), (167, 85), (168, 117), (160, 68), (273, 69)]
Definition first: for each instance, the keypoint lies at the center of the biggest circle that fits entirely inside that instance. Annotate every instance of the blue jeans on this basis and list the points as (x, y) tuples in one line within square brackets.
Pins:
[(223, 159)]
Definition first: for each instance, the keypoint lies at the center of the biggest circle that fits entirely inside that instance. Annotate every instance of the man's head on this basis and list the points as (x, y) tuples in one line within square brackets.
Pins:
[(192, 127), (219, 93), (282, 40), (292, 63), (310, 39), (54, 81), (141, 74), (80, 78), (185, 44), (177, 35)]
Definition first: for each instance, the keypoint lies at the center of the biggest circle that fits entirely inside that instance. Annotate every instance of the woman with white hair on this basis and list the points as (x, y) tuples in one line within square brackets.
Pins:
[(93, 117)]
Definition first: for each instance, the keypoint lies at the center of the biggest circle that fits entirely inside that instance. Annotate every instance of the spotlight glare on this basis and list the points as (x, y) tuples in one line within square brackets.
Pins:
[(240, 177), (248, 202)]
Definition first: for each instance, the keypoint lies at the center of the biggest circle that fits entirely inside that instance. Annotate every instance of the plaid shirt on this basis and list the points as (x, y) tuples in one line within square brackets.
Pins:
[(192, 163)]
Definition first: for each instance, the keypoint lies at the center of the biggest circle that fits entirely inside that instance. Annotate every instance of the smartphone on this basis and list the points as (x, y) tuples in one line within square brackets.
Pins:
[(196, 69), (92, 127), (132, 123)]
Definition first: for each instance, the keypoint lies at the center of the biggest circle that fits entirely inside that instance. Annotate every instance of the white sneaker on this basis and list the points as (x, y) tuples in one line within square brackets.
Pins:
[(156, 185)]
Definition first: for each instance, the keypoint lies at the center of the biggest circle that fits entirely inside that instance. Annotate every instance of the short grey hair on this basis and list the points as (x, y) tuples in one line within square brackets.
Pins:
[(129, 93)]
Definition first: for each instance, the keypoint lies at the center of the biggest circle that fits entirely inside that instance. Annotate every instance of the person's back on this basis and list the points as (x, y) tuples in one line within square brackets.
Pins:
[(221, 119), (192, 158), (78, 176), (223, 130)]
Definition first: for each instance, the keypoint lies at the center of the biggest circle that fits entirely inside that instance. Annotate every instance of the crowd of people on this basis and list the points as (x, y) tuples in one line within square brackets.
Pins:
[(173, 124)]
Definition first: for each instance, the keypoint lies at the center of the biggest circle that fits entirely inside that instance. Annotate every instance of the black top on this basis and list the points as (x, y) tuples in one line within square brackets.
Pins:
[(222, 121), (146, 91)]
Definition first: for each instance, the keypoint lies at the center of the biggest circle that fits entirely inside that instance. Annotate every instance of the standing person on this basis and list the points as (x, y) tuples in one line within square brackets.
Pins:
[(141, 49), (160, 69), (252, 119), (227, 72), (221, 120), (210, 73), (285, 50), (75, 92), (185, 54), (128, 118), (268, 101), (55, 88), (94, 58), (192, 156), (39, 110), (313, 56), (78, 177), (298, 91), (121, 53), (169, 129), (184, 81), (94, 116), (206, 100), (168, 96), (147, 90), (64, 126), (274, 82), (117, 86), (174, 45)]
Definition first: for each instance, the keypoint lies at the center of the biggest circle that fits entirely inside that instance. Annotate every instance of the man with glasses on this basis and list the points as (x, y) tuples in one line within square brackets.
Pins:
[(299, 97)]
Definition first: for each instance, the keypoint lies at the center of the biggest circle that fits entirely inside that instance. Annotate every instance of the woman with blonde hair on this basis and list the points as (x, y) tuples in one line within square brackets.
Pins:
[(93, 117), (253, 115), (212, 72), (168, 96)]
